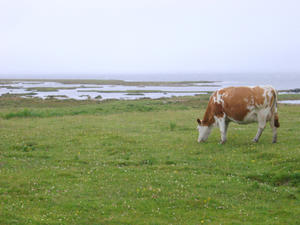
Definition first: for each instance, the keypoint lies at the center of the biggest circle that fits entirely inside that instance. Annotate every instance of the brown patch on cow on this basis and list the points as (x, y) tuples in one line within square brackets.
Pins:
[(273, 104), (218, 110), (237, 101), (213, 109), (208, 118), (258, 94), (273, 98)]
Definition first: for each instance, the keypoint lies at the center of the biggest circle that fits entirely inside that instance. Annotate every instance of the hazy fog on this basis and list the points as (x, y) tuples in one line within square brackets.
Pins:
[(135, 38)]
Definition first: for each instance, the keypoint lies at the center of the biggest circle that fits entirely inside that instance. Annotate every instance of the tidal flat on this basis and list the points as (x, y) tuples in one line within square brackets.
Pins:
[(118, 89), (104, 89), (138, 162)]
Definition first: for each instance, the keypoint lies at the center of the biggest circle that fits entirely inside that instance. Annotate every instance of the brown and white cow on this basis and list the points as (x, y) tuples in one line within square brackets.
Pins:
[(241, 105)]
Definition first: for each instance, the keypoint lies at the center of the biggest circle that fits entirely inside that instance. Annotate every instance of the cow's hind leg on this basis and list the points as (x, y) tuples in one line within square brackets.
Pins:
[(261, 126), (274, 129), (258, 134)]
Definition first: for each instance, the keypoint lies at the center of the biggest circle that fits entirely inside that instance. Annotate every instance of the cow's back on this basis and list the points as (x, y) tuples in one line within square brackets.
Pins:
[(243, 103)]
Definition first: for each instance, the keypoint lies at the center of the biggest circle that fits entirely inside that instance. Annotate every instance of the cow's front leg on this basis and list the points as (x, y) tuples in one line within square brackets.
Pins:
[(223, 125)]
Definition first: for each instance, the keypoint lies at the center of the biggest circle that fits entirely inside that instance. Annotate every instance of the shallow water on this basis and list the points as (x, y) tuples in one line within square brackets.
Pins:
[(86, 91), (92, 91), (294, 102)]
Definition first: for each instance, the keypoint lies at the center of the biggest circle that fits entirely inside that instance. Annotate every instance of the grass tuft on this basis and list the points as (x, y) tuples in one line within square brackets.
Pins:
[(172, 126), (291, 179), (23, 113), (25, 146), (150, 161)]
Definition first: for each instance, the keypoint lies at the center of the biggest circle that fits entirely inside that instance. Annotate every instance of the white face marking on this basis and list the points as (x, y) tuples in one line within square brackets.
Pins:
[(204, 132)]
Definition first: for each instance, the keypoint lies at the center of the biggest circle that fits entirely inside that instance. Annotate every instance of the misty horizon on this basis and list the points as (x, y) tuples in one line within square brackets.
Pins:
[(259, 77), (140, 38)]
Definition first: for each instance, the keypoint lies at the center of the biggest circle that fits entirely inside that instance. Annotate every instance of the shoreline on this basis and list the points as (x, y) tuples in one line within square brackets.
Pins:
[(85, 89)]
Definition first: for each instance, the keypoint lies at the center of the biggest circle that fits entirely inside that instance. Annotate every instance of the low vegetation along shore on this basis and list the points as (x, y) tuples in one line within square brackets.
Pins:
[(138, 162)]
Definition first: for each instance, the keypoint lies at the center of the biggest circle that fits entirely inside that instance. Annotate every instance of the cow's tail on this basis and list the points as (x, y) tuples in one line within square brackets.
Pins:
[(276, 119)]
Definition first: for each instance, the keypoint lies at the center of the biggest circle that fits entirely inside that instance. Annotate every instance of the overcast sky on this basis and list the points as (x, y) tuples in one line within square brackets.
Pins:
[(148, 37)]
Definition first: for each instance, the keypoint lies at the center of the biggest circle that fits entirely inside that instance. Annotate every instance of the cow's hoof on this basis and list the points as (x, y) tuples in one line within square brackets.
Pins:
[(274, 141), (222, 142), (255, 140)]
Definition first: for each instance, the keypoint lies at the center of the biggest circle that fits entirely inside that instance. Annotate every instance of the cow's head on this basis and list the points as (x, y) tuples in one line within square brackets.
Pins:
[(204, 131)]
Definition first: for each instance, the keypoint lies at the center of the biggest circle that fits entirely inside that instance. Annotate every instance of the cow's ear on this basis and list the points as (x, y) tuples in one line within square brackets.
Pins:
[(199, 121)]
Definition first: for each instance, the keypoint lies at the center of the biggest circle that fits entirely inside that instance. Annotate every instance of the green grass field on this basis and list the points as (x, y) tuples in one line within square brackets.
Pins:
[(138, 162)]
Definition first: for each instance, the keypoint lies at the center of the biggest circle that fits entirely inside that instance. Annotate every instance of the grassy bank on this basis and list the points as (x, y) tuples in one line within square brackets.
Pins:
[(138, 162)]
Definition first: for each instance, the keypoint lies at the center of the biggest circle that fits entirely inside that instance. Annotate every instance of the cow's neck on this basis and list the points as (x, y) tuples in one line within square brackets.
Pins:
[(208, 118)]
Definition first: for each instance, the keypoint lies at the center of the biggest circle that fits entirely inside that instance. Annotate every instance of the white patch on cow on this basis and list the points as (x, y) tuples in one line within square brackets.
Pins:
[(219, 120), (250, 117), (267, 92), (218, 98), (252, 100), (204, 132), (265, 96), (264, 115)]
